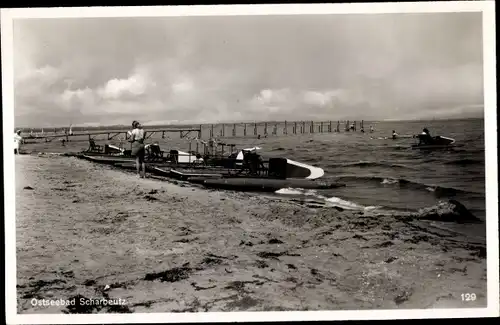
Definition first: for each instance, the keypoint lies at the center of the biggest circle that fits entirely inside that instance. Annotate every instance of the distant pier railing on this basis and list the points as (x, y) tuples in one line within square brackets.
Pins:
[(222, 130), (225, 130)]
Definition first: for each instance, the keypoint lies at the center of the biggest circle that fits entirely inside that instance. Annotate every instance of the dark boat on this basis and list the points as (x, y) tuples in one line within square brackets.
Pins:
[(438, 142)]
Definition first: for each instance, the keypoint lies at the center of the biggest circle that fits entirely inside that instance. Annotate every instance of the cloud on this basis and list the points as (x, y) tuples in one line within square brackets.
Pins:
[(246, 68), (116, 88)]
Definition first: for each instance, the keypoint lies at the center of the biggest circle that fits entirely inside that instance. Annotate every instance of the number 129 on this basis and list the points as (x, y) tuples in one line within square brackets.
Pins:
[(468, 296)]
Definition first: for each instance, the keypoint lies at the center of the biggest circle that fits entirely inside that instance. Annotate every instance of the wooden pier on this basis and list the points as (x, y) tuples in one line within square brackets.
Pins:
[(85, 136), (216, 135), (211, 131), (281, 128)]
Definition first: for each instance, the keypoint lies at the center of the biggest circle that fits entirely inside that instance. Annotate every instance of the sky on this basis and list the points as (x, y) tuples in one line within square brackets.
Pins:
[(161, 70)]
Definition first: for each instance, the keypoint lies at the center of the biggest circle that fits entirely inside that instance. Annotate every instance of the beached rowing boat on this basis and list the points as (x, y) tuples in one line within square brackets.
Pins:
[(245, 171), (281, 168)]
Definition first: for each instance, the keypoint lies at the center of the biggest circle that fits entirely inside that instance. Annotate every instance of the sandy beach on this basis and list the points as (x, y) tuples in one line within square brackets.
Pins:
[(90, 231)]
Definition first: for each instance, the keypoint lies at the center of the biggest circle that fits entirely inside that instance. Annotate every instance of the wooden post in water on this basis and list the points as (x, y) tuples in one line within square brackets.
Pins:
[(275, 129), (321, 127), (212, 131), (312, 127), (234, 130), (294, 129), (285, 130), (199, 133), (265, 128), (255, 129), (245, 129), (330, 127), (303, 127), (338, 126)]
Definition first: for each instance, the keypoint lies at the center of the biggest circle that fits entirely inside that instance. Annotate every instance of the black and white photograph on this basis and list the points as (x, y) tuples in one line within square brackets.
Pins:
[(240, 163)]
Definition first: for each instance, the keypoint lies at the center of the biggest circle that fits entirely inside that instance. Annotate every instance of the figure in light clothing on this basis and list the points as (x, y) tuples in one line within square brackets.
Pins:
[(18, 139), (137, 136)]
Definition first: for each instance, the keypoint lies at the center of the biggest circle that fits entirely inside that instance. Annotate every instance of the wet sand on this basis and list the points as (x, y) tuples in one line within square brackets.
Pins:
[(85, 230)]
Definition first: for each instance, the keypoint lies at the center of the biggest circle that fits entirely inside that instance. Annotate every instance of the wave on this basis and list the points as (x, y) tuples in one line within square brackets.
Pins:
[(401, 182), (328, 202), (465, 161), (364, 164)]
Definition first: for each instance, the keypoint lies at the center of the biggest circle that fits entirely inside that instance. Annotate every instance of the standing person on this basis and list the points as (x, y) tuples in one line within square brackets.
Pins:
[(137, 136), (18, 139)]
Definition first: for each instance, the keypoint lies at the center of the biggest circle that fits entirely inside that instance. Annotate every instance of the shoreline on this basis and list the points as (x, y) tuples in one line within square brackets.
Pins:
[(190, 249)]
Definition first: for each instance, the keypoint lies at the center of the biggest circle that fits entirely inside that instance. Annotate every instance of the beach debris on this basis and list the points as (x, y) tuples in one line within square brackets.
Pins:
[(89, 283), (119, 309), (243, 304), (357, 236), (451, 211), (150, 198), (249, 243), (27, 188), (261, 264), (172, 275), (275, 241), (239, 286), (185, 240), (228, 271), (384, 244), (417, 239), (291, 266), (198, 288), (404, 296), (153, 192), (106, 287), (211, 261), (391, 259), (184, 231), (270, 255), (232, 257), (68, 274)]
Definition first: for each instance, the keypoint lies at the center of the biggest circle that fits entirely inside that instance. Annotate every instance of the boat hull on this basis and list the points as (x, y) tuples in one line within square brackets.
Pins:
[(439, 142), (263, 185)]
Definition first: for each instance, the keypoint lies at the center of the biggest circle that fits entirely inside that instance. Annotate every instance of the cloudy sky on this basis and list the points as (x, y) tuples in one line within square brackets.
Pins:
[(102, 71)]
